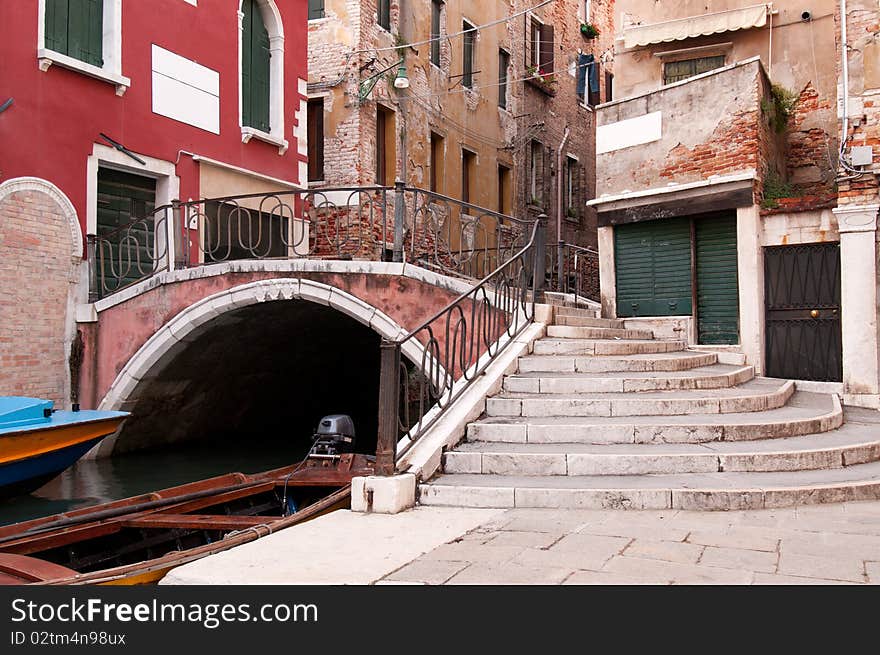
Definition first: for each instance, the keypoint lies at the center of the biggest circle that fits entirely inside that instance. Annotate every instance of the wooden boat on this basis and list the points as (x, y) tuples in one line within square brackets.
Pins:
[(138, 540), (37, 443)]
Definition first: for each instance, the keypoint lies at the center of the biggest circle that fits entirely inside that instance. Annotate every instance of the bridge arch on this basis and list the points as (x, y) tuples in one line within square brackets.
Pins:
[(189, 325)]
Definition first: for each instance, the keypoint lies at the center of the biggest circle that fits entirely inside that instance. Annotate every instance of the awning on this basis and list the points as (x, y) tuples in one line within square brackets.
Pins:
[(686, 28)]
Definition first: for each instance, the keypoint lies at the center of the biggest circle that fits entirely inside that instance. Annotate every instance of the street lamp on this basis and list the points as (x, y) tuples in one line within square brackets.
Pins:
[(400, 82)]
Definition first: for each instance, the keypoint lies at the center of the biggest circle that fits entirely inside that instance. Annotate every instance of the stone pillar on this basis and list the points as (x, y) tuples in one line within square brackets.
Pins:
[(858, 287), (750, 273), (607, 274)]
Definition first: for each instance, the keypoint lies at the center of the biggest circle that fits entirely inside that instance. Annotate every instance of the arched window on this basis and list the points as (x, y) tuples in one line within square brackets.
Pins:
[(261, 50), (255, 87)]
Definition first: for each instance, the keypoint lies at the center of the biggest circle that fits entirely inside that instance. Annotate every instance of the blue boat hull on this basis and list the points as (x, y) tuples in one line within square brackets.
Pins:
[(26, 475)]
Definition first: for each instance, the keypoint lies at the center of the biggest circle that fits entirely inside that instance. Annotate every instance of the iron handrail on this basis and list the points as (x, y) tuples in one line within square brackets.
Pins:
[(449, 366)]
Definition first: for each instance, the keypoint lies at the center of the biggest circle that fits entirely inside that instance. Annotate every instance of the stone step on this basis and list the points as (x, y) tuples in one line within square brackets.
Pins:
[(606, 346), (686, 491), (851, 444), (583, 321), (805, 413), (580, 313), (707, 377), (657, 362), (754, 396), (569, 332)]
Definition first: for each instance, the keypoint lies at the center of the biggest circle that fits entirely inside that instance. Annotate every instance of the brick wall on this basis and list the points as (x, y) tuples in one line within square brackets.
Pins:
[(36, 274)]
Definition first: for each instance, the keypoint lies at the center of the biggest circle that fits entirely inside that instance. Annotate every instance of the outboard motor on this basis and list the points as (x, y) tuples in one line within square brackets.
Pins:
[(335, 435)]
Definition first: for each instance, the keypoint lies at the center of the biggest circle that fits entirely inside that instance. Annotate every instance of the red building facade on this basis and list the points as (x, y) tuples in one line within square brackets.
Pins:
[(209, 96)]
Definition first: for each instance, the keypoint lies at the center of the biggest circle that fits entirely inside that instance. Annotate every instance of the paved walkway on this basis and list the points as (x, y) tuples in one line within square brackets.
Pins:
[(817, 544)]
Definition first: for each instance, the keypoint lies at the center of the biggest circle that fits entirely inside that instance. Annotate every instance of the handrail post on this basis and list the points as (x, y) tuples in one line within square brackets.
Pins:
[(389, 403), (399, 217), (92, 255), (539, 268), (560, 256)]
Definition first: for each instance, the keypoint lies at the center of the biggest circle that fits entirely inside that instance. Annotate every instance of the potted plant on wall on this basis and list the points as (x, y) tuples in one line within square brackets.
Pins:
[(589, 30)]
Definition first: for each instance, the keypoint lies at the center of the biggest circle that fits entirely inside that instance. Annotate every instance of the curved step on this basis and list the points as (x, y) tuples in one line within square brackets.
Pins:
[(754, 396), (805, 413), (718, 376), (847, 446), (569, 332), (660, 362), (586, 321), (687, 491), (573, 347)]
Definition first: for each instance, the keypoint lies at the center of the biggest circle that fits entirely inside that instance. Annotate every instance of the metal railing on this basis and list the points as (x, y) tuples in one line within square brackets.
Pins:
[(370, 223), (573, 269), (452, 348)]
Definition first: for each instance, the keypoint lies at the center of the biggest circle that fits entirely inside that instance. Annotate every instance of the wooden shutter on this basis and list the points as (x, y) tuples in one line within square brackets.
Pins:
[(653, 267), (56, 25), (316, 9), (547, 64), (717, 288), (316, 140), (254, 69), (85, 30)]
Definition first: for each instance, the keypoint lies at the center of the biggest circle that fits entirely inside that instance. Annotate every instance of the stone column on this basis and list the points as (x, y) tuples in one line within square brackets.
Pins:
[(858, 287), (750, 274), (607, 274)]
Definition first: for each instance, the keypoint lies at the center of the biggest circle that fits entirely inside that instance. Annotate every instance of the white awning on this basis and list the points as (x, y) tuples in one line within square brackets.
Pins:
[(686, 28)]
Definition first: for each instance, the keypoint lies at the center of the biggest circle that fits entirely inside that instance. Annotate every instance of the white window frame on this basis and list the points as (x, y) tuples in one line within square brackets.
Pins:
[(111, 71), (272, 21), (569, 182), (587, 8), (167, 188)]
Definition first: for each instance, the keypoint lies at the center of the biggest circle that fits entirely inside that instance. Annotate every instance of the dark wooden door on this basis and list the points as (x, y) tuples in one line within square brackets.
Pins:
[(802, 296)]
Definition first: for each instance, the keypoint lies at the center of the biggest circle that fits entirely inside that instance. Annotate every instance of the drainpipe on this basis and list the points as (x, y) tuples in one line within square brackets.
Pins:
[(559, 181), (845, 81)]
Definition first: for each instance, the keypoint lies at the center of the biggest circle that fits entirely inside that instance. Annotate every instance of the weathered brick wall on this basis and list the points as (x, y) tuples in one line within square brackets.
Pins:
[(545, 118), (36, 274), (726, 134), (863, 39)]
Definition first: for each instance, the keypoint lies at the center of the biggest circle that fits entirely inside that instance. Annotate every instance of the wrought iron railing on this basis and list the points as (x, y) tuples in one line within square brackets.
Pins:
[(452, 348), (573, 269), (373, 223)]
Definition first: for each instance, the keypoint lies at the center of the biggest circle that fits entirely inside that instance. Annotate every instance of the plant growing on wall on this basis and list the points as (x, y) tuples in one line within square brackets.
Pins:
[(779, 108), (775, 188), (589, 30)]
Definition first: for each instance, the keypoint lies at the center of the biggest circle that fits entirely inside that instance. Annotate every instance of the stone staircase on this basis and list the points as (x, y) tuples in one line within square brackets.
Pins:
[(600, 416)]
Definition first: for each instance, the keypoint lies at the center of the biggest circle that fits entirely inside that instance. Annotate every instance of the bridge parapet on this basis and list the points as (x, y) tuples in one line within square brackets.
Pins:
[(352, 223)]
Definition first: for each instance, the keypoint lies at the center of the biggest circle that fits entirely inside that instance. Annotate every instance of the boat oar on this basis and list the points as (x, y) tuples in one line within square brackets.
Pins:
[(128, 509)]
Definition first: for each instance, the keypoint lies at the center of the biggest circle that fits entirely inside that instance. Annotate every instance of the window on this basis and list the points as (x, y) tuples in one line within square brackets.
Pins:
[(609, 86), (315, 122), (675, 71), (572, 187), (385, 151), (468, 166), (469, 39), (316, 9), (232, 231), (254, 68), (503, 64), (536, 170), (124, 200), (76, 28), (436, 172), (503, 189), (436, 8), (541, 47), (587, 10), (383, 14)]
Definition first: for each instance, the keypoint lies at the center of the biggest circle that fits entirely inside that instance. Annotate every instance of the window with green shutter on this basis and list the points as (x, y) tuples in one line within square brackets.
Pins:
[(316, 9), (653, 268), (76, 28), (254, 68)]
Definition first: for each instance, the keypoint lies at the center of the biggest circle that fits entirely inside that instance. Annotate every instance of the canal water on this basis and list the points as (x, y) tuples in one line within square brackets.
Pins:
[(97, 481)]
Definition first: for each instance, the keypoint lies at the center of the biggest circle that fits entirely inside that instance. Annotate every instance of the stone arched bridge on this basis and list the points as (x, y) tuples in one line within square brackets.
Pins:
[(188, 350)]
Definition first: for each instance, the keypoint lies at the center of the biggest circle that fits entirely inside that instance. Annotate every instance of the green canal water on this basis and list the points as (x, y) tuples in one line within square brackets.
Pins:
[(97, 481)]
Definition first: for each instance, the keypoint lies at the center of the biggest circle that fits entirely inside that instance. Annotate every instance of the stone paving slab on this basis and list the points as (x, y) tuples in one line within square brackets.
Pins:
[(435, 546)]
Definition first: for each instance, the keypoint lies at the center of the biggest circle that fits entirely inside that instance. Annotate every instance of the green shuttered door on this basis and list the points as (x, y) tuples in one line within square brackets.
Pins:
[(717, 291), (653, 262), (254, 68)]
